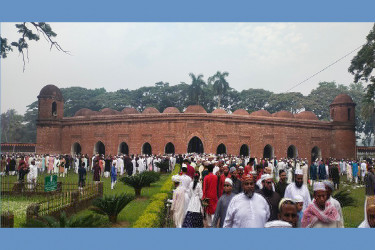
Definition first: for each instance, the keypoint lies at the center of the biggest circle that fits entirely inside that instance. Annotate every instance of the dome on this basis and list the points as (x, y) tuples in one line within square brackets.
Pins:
[(195, 109), (240, 112), (283, 114), (51, 91), (261, 112), (171, 110), (129, 111), (219, 111), (343, 98), (108, 111), (306, 115), (84, 112), (150, 110)]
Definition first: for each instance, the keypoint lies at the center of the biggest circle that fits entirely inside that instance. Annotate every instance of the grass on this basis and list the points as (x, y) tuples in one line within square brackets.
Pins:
[(129, 214)]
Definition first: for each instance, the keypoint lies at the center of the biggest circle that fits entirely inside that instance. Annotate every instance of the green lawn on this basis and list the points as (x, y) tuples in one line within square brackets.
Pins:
[(128, 216), (353, 216)]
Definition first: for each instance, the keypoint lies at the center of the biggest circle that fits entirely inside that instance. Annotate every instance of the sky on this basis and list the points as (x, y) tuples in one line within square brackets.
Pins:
[(271, 56)]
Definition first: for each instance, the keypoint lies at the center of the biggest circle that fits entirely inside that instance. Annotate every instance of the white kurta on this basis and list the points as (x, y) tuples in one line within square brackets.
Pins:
[(195, 197), (292, 190), (178, 206), (337, 205), (244, 212)]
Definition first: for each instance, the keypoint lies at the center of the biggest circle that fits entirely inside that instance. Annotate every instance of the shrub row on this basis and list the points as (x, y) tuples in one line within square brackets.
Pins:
[(153, 215)]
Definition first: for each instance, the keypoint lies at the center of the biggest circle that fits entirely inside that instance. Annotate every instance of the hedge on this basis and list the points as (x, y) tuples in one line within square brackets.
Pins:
[(153, 215)]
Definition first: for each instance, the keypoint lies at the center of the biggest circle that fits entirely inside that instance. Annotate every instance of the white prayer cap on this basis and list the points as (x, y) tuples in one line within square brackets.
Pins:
[(277, 224), (298, 198), (284, 200), (240, 167), (329, 184), (229, 180), (184, 165), (298, 172), (265, 177), (319, 186), (176, 178)]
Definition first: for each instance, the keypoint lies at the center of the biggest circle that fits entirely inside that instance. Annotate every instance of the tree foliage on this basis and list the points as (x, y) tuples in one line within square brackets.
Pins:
[(29, 31)]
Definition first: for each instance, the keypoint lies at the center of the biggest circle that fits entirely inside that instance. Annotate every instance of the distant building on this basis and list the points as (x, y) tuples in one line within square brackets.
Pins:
[(259, 134), (18, 147)]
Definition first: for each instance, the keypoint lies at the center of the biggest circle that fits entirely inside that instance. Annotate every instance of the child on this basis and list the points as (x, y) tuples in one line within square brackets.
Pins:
[(298, 199)]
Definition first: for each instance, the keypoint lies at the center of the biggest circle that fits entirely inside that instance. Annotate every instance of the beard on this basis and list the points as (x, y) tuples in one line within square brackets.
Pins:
[(267, 192), (249, 194), (299, 184)]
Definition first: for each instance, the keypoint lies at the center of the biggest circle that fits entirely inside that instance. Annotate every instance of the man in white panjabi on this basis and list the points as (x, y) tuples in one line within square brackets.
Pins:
[(330, 187), (178, 202), (297, 188), (32, 175), (305, 171), (247, 209)]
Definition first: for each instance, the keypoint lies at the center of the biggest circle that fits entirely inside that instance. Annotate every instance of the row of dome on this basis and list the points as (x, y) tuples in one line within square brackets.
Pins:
[(197, 109)]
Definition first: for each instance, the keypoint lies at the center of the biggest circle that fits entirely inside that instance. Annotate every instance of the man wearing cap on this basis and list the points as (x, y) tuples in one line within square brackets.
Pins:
[(222, 178), (222, 204), (178, 202), (287, 217), (321, 213), (247, 209), (272, 197), (329, 188), (335, 175), (210, 193), (236, 187), (297, 188)]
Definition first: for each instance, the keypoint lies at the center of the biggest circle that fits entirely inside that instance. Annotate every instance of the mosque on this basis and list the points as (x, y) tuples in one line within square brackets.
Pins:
[(258, 134)]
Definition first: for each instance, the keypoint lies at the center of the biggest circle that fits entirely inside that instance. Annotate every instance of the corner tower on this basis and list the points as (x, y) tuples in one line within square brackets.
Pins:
[(50, 103), (342, 112), (342, 109), (50, 114)]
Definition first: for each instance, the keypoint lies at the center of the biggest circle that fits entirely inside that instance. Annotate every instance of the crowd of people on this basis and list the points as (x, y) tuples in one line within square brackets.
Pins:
[(224, 190), (234, 192)]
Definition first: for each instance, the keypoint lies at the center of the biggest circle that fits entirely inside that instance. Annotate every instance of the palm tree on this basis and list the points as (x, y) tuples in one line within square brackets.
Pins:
[(137, 181), (196, 87), (220, 85), (111, 205), (83, 221)]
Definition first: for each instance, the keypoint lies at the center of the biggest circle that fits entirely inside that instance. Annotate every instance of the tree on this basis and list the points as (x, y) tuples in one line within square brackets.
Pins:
[(196, 88), (111, 205), (362, 67), (27, 31), (220, 84), (11, 126)]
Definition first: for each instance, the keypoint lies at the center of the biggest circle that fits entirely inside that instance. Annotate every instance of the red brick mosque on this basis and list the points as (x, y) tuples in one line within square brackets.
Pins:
[(258, 134)]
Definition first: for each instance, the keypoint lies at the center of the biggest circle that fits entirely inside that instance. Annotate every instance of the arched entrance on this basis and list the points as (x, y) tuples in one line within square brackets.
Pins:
[(268, 151), (292, 152), (146, 149), (316, 153), (169, 148), (195, 146), (123, 148), (221, 149), (244, 151), (99, 148), (76, 149)]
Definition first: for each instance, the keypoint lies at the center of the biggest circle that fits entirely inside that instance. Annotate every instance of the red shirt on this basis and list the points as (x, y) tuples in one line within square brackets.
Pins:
[(248, 169), (210, 191)]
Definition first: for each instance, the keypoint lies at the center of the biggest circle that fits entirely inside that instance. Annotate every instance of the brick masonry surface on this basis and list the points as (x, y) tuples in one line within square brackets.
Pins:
[(58, 134)]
